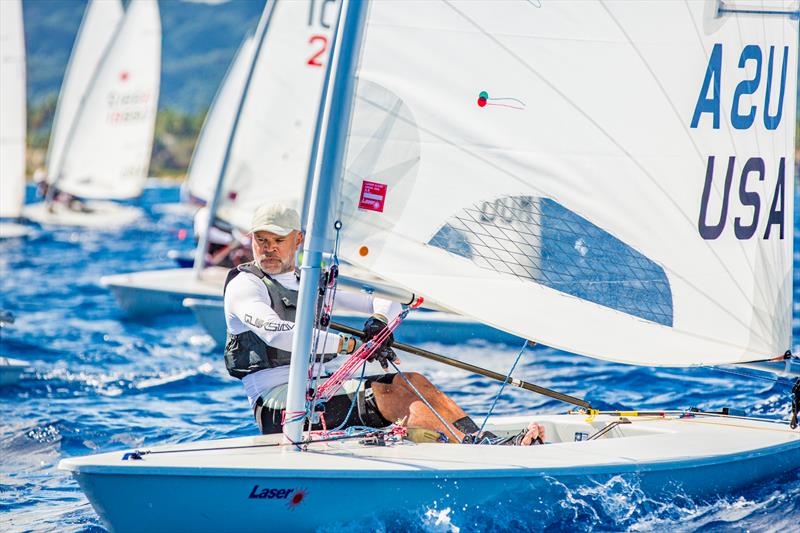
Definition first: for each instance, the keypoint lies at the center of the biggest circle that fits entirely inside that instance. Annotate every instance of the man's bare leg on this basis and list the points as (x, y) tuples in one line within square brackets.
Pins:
[(397, 400)]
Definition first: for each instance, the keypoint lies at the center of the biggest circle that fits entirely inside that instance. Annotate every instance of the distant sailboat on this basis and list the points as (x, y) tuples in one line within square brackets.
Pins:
[(103, 130), (12, 124)]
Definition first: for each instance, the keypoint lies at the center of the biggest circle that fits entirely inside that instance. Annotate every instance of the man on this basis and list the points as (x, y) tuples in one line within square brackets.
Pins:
[(260, 304)]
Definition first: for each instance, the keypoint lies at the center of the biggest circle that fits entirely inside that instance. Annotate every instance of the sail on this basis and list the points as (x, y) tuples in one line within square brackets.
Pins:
[(272, 144), (12, 109), (209, 152), (107, 151), (613, 179), (96, 31)]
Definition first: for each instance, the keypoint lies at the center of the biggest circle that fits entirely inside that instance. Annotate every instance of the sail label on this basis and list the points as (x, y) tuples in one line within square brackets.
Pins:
[(373, 196)]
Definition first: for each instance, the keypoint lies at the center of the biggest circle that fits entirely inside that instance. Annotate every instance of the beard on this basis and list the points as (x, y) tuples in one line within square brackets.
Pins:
[(274, 265)]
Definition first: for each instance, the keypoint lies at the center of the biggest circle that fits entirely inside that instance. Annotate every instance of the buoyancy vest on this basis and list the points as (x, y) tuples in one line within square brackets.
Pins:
[(246, 352)]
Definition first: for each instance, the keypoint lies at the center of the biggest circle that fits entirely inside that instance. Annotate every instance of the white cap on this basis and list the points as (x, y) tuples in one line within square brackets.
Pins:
[(275, 218)]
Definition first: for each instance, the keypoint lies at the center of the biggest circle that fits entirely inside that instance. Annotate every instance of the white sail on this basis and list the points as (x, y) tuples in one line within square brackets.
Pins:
[(99, 23), (12, 109), (272, 144), (107, 152), (209, 152), (641, 152)]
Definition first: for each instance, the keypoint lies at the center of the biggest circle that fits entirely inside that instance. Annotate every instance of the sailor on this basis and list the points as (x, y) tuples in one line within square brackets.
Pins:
[(260, 304)]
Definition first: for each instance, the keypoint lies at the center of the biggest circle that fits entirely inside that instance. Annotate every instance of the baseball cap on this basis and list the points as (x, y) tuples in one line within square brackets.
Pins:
[(275, 218)]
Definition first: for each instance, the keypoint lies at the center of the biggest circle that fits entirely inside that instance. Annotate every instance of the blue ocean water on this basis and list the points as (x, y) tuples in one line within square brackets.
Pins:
[(99, 382)]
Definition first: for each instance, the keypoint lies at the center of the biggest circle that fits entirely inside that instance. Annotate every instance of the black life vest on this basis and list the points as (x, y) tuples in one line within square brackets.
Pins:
[(245, 352)]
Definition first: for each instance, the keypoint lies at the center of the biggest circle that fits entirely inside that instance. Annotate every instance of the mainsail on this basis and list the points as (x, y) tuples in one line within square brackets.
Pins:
[(272, 143), (614, 179), (12, 109), (106, 151), (96, 31), (209, 153)]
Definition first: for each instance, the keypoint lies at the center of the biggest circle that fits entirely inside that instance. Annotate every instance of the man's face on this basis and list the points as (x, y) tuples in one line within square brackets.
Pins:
[(275, 253)]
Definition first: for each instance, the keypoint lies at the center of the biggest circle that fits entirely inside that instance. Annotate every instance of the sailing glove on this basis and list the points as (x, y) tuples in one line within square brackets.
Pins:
[(372, 327)]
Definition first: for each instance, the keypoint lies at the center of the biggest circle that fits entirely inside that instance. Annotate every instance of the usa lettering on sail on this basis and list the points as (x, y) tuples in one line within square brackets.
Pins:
[(768, 66)]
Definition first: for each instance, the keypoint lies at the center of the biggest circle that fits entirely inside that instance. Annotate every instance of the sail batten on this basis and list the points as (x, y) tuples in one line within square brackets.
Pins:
[(608, 178)]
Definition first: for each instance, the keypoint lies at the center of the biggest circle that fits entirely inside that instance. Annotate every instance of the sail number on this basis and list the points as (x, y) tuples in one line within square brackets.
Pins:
[(320, 14), (709, 99), (736, 178)]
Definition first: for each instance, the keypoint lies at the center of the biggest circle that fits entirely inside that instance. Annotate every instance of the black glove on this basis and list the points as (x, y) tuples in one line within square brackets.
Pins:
[(372, 327), (383, 355)]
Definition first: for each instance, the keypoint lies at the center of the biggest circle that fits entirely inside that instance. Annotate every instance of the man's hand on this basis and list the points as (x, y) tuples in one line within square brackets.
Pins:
[(372, 328), (383, 355)]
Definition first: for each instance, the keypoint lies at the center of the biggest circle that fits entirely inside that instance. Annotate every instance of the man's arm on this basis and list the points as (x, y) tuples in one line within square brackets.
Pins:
[(366, 303), (247, 299)]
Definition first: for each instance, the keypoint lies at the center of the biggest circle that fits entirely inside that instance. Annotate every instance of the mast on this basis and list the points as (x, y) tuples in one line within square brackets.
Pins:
[(329, 154), (202, 245)]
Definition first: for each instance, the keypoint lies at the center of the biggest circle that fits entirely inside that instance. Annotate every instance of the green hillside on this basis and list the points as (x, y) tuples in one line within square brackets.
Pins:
[(199, 41)]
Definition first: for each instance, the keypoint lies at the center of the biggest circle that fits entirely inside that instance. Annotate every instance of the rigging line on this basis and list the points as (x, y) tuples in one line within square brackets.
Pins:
[(725, 310), (744, 374), (266, 445), (502, 387), (671, 104), (334, 284)]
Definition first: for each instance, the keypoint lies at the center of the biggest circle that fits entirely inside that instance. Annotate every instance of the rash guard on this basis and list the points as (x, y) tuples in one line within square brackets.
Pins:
[(247, 307)]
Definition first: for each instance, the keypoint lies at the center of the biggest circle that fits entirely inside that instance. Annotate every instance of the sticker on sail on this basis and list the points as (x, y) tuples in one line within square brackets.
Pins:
[(373, 196)]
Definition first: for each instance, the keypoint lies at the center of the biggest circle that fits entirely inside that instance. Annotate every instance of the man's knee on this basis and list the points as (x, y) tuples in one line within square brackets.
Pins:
[(419, 381)]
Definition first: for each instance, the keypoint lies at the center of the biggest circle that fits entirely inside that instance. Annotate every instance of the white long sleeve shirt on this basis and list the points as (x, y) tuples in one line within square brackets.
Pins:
[(247, 307)]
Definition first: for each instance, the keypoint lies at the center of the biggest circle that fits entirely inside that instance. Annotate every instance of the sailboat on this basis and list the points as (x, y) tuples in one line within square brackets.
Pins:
[(105, 118), (625, 121), (266, 114), (12, 126)]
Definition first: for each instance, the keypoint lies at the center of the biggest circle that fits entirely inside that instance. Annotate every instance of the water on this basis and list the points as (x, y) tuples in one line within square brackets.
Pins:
[(101, 383)]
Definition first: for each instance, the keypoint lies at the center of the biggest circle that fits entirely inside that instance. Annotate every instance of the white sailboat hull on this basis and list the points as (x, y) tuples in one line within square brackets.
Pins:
[(163, 291), (420, 326), (12, 230), (100, 215), (11, 370), (230, 485)]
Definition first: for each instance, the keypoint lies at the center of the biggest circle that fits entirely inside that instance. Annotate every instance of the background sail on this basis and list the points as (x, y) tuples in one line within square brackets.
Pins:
[(108, 153), (12, 109), (97, 29), (543, 170), (210, 149), (269, 157)]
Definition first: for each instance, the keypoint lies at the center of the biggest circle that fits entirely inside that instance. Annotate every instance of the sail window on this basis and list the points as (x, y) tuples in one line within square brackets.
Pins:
[(539, 240)]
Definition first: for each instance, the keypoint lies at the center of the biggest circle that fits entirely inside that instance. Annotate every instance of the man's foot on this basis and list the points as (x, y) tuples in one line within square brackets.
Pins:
[(533, 434)]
